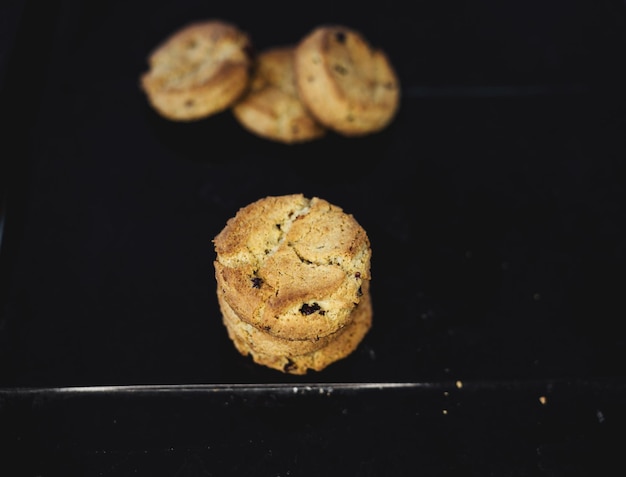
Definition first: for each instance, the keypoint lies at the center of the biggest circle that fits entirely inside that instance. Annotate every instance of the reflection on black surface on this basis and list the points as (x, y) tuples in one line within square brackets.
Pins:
[(549, 427)]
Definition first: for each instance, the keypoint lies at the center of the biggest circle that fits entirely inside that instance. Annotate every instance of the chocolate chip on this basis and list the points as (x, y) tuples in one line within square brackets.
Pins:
[(256, 282), (307, 309), (342, 70), (289, 365), (340, 37)]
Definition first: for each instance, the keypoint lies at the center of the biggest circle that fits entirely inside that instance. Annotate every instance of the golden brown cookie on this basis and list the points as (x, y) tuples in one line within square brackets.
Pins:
[(271, 108), (291, 266), (200, 70), (343, 344), (348, 85), (266, 344)]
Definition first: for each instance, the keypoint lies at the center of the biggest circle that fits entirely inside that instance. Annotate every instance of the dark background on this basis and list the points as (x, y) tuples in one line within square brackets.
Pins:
[(495, 204)]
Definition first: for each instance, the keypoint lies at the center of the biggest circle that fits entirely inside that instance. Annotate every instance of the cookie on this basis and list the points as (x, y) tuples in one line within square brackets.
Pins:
[(261, 342), (291, 266), (348, 85), (271, 108), (200, 70), (345, 343)]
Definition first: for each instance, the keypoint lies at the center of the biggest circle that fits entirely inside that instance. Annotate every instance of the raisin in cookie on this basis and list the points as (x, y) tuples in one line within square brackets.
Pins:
[(347, 84), (271, 108), (291, 266), (200, 70)]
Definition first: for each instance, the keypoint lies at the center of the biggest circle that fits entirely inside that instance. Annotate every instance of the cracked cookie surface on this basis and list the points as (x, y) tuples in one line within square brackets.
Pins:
[(271, 108), (340, 346), (292, 267), (259, 341), (348, 85), (200, 70)]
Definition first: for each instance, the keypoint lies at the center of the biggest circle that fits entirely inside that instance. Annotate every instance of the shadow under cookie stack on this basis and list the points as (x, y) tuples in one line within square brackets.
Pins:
[(293, 278)]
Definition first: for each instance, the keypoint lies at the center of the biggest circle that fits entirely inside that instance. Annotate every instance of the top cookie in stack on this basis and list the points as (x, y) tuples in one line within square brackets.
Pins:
[(293, 280)]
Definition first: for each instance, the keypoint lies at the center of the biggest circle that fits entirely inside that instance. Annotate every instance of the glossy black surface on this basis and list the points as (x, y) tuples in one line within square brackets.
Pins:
[(495, 204), (509, 428)]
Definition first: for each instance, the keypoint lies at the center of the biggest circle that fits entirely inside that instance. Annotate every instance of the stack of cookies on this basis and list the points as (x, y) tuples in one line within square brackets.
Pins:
[(293, 279), (332, 79)]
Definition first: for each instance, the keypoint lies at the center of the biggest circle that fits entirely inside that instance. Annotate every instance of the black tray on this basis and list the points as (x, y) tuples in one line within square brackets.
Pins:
[(495, 204)]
